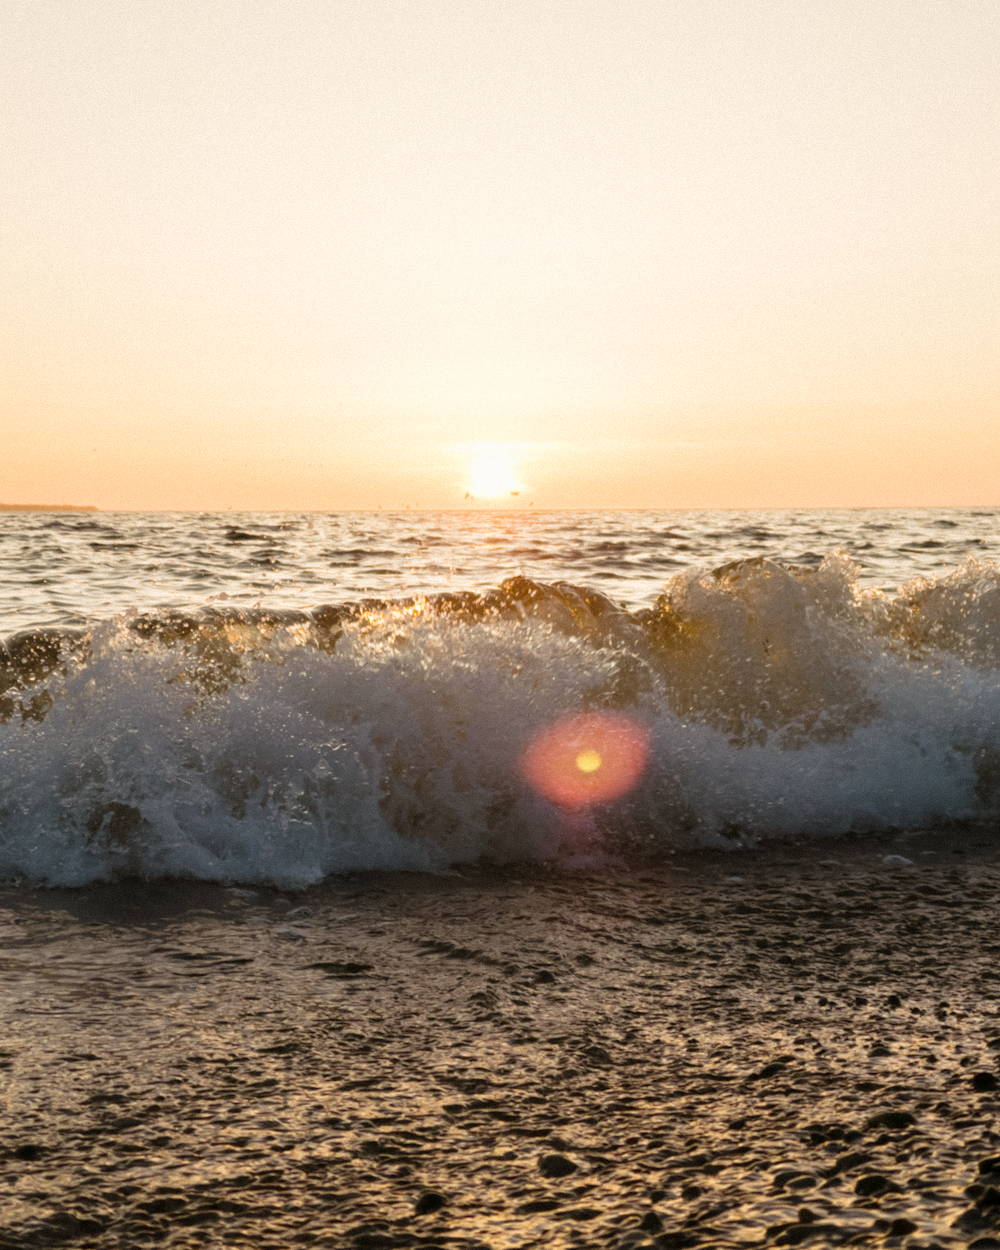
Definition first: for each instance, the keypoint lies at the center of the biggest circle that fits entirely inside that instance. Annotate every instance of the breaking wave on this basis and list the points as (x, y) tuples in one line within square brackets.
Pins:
[(281, 746)]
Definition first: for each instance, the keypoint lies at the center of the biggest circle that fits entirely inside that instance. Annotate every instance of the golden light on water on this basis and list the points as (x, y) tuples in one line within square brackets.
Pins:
[(592, 757)]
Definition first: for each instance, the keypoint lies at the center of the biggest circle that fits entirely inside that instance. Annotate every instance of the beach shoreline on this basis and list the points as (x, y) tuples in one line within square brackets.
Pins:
[(795, 1044)]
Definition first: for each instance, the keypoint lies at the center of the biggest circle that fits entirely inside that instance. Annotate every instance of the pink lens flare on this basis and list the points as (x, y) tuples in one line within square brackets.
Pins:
[(592, 757)]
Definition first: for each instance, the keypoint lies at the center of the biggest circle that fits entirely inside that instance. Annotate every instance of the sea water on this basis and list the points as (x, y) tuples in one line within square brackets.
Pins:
[(276, 697)]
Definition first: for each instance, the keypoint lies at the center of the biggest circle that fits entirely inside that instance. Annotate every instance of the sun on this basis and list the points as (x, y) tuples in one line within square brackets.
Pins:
[(492, 473)]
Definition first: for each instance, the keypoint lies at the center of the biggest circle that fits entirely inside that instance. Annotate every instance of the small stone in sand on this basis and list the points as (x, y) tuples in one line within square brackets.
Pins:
[(556, 1165), (892, 1119), (902, 1228)]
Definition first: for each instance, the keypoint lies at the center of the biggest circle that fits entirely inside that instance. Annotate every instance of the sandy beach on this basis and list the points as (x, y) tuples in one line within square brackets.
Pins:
[(776, 1047)]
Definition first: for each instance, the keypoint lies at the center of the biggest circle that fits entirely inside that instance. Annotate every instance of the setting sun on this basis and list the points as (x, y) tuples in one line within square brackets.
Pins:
[(491, 472)]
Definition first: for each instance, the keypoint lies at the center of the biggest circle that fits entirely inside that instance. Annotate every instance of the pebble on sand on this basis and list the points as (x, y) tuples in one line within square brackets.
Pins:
[(892, 1119), (556, 1165), (429, 1202)]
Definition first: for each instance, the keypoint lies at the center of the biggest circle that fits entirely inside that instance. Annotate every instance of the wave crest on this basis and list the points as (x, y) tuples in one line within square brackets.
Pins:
[(283, 745)]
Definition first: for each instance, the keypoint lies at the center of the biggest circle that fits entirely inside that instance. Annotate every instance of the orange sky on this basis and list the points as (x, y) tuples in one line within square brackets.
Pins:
[(316, 255)]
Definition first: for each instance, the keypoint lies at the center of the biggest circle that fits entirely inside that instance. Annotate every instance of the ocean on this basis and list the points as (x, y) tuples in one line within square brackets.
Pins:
[(271, 698)]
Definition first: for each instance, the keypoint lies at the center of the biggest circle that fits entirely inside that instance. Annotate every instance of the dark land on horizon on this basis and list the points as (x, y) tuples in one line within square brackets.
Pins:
[(47, 507)]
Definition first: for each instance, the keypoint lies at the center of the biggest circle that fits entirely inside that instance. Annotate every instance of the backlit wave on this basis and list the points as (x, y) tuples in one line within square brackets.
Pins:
[(282, 746)]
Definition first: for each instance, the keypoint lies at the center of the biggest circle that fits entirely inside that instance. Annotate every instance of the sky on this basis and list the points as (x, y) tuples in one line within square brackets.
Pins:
[(325, 254)]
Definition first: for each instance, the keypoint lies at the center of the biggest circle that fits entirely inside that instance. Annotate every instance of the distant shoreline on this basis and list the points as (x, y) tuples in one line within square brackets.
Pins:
[(47, 507)]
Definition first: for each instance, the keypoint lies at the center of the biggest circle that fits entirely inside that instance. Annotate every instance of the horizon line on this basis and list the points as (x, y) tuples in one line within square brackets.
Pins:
[(507, 511)]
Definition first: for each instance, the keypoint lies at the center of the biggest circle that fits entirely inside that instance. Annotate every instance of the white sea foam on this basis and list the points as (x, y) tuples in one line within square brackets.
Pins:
[(777, 705)]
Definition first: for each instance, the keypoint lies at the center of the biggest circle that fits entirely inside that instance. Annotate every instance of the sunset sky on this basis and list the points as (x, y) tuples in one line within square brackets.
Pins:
[(328, 254)]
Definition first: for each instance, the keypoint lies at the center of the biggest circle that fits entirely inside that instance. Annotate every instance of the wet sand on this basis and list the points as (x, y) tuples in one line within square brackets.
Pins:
[(780, 1048)]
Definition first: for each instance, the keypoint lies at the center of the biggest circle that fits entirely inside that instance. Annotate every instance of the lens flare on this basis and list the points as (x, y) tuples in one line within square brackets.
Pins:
[(590, 758)]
